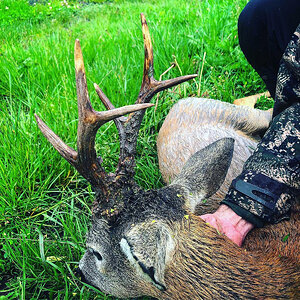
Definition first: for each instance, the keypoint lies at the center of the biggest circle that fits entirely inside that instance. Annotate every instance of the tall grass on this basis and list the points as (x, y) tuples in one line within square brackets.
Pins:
[(44, 203)]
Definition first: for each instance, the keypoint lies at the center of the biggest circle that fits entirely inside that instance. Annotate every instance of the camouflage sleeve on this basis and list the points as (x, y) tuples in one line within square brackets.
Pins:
[(288, 78), (270, 180)]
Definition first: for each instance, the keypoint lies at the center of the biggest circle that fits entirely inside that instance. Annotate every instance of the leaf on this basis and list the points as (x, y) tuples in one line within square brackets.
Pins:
[(285, 238), (55, 258), (41, 244)]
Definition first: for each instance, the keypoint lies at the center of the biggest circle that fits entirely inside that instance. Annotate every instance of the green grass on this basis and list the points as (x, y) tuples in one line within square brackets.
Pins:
[(44, 203)]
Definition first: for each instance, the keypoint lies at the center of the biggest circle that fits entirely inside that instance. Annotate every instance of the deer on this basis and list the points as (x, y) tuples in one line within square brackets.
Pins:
[(153, 242)]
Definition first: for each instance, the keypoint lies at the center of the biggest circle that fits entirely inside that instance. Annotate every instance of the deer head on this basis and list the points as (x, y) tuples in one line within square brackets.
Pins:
[(132, 239)]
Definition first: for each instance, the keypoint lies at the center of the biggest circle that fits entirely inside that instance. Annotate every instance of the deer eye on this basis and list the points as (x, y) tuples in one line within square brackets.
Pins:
[(96, 253)]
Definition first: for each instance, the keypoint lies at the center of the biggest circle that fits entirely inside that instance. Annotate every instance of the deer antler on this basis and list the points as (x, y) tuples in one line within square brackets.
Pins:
[(89, 121), (128, 128)]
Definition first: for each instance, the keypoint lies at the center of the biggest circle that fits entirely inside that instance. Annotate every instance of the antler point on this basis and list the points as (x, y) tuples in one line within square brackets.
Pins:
[(79, 65)]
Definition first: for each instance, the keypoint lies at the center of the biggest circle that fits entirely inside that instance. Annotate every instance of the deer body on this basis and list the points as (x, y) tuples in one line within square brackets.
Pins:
[(152, 242), (194, 123)]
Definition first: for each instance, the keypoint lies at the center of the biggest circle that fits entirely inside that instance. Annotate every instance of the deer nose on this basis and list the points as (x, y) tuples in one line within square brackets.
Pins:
[(80, 274), (95, 253)]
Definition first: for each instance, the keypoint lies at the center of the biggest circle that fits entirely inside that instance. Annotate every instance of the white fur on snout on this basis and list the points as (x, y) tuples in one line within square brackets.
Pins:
[(150, 245)]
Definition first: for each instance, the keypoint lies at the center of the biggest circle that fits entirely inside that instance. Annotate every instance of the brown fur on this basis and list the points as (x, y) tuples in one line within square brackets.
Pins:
[(282, 239), (207, 265), (194, 123)]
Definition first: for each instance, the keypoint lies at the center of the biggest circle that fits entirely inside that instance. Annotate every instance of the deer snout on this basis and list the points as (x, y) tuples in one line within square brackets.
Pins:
[(80, 274), (95, 253), (90, 269)]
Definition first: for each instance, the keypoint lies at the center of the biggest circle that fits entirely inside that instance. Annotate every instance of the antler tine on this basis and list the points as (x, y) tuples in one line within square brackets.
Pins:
[(148, 60), (121, 120), (64, 150), (108, 104), (103, 97), (149, 88)]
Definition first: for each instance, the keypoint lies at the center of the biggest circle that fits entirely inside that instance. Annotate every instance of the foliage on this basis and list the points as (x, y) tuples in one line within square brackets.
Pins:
[(44, 204), (12, 12)]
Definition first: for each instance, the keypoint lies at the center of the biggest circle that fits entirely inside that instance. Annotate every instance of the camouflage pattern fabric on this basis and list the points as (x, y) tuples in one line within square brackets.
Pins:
[(288, 78), (270, 181)]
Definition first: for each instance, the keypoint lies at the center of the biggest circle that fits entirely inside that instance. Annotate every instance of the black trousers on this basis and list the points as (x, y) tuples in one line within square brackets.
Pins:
[(265, 28), (266, 36)]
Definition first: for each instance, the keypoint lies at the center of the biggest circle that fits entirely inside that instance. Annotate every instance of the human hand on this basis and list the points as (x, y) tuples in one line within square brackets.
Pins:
[(227, 222)]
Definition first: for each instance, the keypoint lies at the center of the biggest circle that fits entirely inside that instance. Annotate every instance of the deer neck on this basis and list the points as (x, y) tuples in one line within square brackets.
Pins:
[(207, 265)]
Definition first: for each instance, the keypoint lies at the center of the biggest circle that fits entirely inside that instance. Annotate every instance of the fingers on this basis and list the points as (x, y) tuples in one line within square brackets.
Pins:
[(223, 227)]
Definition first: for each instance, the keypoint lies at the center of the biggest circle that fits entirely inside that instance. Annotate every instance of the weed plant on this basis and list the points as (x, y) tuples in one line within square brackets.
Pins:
[(44, 203)]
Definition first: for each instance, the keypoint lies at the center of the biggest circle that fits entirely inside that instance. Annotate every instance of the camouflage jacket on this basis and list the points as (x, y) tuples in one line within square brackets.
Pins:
[(270, 180)]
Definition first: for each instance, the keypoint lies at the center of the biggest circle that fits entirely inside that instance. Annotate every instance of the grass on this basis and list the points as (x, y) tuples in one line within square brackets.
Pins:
[(44, 203)]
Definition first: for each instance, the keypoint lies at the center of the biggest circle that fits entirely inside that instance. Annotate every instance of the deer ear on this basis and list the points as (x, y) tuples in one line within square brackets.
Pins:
[(149, 247), (205, 171)]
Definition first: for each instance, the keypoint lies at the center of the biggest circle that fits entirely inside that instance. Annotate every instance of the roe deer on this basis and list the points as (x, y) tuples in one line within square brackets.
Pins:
[(151, 242)]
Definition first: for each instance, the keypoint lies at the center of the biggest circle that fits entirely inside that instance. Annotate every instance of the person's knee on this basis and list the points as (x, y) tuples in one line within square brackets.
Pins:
[(252, 28), (252, 13), (253, 32)]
